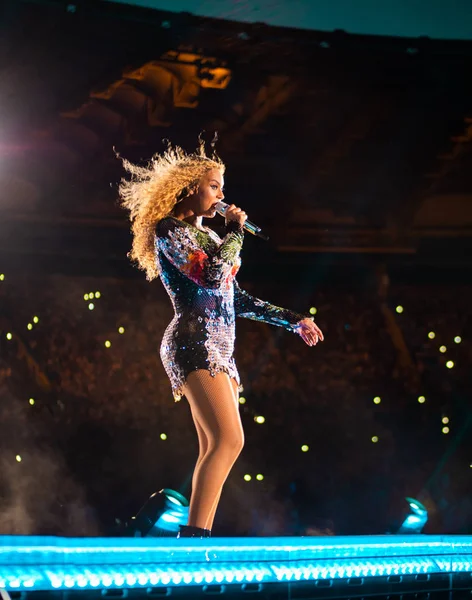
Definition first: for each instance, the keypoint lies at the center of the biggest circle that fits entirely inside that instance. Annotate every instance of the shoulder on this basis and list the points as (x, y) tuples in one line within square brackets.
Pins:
[(167, 224), (171, 232)]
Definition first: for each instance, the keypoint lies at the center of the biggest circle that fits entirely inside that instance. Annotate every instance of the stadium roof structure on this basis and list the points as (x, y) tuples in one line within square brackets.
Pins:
[(336, 143)]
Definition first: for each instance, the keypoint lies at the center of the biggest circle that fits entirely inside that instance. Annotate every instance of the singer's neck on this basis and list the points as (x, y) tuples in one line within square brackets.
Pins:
[(188, 216)]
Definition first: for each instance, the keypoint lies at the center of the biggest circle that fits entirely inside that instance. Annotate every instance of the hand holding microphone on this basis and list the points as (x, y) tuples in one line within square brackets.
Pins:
[(233, 213)]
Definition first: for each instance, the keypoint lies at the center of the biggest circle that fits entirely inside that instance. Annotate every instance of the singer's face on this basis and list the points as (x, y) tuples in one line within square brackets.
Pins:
[(210, 191)]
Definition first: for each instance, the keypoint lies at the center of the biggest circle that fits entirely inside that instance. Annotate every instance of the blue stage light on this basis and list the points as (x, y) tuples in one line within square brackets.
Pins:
[(416, 520), (160, 516)]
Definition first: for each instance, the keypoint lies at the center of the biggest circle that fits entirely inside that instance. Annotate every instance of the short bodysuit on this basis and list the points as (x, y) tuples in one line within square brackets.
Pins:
[(198, 270)]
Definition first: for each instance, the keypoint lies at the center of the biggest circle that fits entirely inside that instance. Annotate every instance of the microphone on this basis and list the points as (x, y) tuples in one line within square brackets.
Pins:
[(248, 226)]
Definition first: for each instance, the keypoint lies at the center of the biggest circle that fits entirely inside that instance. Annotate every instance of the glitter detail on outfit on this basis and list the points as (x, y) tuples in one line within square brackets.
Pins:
[(198, 270)]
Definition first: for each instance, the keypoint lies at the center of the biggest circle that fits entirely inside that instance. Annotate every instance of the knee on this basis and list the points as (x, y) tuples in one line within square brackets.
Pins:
[(239, 442), (230, 442)]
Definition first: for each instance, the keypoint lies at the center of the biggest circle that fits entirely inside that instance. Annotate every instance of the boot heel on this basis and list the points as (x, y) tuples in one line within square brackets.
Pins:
[(190, 531)]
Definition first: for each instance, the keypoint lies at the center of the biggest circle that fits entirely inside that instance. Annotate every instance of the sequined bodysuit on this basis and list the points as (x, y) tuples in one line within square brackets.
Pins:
[(198, 270)]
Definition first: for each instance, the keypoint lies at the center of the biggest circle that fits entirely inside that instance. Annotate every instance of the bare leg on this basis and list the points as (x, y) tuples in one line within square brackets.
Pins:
[(221, 440), (202, 447), (211, 516)]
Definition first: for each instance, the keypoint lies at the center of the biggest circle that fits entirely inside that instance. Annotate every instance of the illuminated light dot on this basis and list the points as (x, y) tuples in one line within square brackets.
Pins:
[(163, 436), (259, 419), (445, 429), (35, 319), (445, 420), (121, 329), (375, 439), (91, 295), (91, 306), (9, 336), (259, 477), (421, 399), (31, 401), (450, 364), (377, 400), (458, 339), (431, 335), (107, 344), (86, 296), (442, 349), (242, 400), (29, 326), (97, 295), (247, 477), (2, 276), (313, 310), (305, 448), (18, 458), (399, 309)]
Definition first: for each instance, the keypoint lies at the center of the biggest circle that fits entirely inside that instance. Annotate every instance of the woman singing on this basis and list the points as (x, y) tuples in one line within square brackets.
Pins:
[(167, 201)]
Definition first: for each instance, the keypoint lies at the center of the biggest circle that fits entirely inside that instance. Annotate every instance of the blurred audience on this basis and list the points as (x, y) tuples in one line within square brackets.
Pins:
[(333, 461)]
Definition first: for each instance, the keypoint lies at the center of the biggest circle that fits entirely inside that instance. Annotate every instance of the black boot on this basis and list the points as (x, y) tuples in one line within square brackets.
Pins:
[(190, 531)]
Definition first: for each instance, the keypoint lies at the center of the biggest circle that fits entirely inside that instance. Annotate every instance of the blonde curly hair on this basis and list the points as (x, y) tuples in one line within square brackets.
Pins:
[(155, 189)]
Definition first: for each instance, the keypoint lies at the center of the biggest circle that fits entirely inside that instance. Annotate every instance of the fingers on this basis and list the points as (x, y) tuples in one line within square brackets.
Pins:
[(311, 333), (319, 332), (233, 213), (315, 329), (309, 338)]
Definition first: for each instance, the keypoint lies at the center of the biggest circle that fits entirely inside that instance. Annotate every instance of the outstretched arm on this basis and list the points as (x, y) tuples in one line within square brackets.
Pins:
[(249, 307), (182, 247)]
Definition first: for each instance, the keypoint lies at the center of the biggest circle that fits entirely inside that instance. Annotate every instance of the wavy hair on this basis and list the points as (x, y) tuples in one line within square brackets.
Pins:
[(154, 190)]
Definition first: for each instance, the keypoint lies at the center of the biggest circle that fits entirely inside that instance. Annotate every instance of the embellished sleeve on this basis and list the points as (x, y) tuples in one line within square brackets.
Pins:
[(182, 247), (249, 307)]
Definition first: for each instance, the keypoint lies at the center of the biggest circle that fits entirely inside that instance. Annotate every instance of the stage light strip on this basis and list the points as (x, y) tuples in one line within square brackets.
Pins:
[(66, 563), (131, 576), (49, 550)]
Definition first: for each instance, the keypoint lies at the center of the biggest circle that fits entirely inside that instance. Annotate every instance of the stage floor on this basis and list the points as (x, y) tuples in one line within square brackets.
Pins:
[(282, 567)]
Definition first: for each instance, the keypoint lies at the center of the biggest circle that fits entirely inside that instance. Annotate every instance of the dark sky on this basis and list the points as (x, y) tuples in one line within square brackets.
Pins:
[(447, 19)]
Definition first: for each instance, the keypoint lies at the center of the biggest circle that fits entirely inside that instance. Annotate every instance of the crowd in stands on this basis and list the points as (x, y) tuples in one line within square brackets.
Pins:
[(91, 444)]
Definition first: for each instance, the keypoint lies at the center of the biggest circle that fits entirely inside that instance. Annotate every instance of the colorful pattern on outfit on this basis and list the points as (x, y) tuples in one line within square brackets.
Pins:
[(198, 270)]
